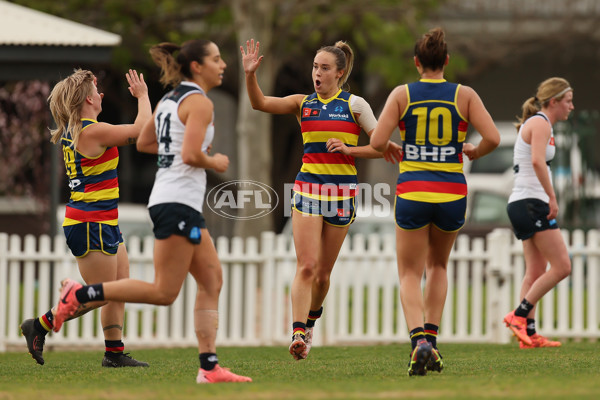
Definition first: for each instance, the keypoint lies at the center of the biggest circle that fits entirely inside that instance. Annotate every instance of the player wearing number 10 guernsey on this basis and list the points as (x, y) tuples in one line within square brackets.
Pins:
[(432, 131), (433, 117)]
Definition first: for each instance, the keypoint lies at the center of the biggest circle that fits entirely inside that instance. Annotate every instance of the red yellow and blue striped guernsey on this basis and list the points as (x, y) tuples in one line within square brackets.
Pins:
[(433, 132), (324, 175), (93, 182)]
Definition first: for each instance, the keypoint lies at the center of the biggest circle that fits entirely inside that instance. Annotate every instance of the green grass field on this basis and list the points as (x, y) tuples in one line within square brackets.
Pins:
[(356, 372)]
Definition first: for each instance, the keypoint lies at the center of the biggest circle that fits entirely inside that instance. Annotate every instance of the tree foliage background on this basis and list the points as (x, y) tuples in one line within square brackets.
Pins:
[(289, 32), (23, 139)]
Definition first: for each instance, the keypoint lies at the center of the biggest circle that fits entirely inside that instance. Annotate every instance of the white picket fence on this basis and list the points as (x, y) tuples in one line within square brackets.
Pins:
[(362, 306)]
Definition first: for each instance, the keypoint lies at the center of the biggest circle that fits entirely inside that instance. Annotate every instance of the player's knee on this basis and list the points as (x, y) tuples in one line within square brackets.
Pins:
[(434, 266), (166, 298), (565, 269), (307, 267), (218, 284), (322, 279)]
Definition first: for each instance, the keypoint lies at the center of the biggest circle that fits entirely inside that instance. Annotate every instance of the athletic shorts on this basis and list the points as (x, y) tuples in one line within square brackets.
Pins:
[(335, 212), (448, 216), (93, 236), (177, 219), (529, 216)]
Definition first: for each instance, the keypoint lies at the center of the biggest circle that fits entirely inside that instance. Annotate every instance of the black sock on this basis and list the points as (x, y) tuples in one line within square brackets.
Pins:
[(313, 316), (113, 347), (208, 361), (530, 326), (415, 335), (298, 327), (90, 293), (431, 333), (524, 308), (45, 323)]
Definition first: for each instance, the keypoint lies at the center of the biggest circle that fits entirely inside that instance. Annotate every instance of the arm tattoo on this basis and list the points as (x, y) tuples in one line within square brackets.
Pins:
[(131, 140)]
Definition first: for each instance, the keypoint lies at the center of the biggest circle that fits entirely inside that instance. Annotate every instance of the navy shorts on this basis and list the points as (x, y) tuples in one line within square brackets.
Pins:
[(177, 219), (93, 236), (529, 216), (448, 216), (335, 212)]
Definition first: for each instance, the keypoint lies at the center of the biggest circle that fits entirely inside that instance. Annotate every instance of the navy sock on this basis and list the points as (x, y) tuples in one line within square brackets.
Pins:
[(208, 361), (524, 308), (45, 323), (90, 293), (313, 316), (431, 333), (113, 347), (298, 327), (415, 335)]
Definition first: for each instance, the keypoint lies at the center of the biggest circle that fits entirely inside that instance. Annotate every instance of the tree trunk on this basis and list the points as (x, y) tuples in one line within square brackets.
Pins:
[(253, 19)]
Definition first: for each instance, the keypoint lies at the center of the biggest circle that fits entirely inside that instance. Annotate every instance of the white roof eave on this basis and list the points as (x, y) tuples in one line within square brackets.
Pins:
[(22, 26)]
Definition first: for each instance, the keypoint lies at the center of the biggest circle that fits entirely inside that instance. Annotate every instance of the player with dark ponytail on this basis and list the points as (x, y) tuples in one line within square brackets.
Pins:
[(180, 133), (433, 116)]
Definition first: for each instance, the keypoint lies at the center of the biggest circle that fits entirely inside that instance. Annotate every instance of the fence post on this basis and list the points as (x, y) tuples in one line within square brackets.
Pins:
[(3, 288), (267, 287), (498, 279), (593, 299)]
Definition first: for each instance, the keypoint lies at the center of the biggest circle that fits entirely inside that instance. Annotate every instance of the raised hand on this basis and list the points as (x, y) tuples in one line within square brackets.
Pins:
[(250, 58), (137, 86)]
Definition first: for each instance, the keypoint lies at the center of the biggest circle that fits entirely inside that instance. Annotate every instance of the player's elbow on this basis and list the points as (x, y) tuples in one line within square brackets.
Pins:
[(257, 105), (190, 157), (494, 140), (380, 148), (166, 299), (377, 144), (143, 147), (538, 163)]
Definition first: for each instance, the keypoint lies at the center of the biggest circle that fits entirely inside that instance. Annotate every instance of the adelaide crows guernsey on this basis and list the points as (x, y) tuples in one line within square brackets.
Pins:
[(325, 175), (93, 182), (176, 181), (433, 132)]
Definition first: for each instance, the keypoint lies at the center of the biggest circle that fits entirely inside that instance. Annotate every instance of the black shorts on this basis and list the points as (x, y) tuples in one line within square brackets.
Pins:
[(529, 216), (177, 219)]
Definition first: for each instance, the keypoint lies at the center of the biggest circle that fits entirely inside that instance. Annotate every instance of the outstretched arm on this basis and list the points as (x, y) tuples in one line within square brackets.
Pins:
[(104, 135), (139, 90), (274, 105)]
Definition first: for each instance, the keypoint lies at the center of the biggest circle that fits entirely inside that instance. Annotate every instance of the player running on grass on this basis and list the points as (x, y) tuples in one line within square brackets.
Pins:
[(91, 225), (180, 133)]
